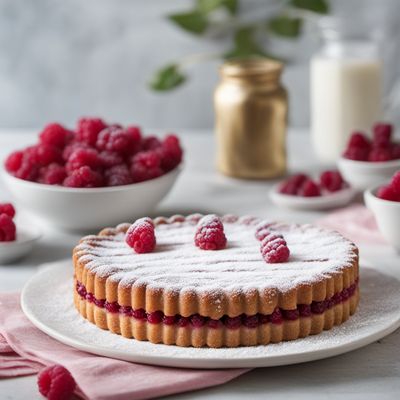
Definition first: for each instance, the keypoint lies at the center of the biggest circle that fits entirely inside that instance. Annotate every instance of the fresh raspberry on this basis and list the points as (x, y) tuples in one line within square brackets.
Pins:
[(380, 154), (332, 181), (210, 233), (83, 157), (70, 148), (171, 153), (141, 236), (146, 165), (388, 193), (358, 147), (141, 174), (54, 174), (110, 159), (382, 134), (292, 184), (357, 154), (43, 154), (116, 139), (84, 177), (151, 143), (118, 175), (7, 208), (88, 129), (55, 135), (395, 149), (359, 140), (27, 171), (309, 189), (56, 383), (7, 228), (262, 230), (136, 136), (274, 250), (395, 182), (14, 161)]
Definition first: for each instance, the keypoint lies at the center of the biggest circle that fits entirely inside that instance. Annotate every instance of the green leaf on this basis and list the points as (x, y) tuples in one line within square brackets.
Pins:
[(285, 26), (317, 6), (207, 6), (245, 45), (167, 78), (193, 21)]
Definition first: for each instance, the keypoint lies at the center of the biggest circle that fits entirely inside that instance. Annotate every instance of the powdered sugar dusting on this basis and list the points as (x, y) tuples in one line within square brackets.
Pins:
[(52, 306), (176, 263)]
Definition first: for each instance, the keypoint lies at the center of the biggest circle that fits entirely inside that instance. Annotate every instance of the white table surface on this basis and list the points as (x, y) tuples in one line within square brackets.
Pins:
[(365, 373)]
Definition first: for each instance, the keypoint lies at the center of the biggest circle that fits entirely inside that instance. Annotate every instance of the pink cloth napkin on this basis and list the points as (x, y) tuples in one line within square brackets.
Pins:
[(355, 222), (25, 350)]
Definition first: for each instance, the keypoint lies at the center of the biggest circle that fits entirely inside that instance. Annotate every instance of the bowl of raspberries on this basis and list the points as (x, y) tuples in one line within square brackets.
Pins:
[(384, 202), (302, 192), (94, 175), (15, 242), (367, 162)]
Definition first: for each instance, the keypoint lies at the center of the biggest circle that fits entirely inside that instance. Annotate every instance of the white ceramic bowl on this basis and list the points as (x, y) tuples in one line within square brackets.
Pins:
[(363, 174), (328, 201), (26, 240), (84, 208), (387, 215)]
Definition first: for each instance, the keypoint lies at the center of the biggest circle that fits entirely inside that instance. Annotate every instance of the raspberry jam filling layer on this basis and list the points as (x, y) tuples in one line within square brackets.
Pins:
[(197, 321)]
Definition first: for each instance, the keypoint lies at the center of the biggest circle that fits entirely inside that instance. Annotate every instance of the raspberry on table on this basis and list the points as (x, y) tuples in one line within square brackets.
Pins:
[(332, 181), (275, 250), (309, 189), (7, 208), (14, 161), (7, 228), (55, 135), (56, 383), (292, 184), (141, 236), (210, 233), (88, 129), (83, 157), (84, 177), (118, 175), (262, 230)]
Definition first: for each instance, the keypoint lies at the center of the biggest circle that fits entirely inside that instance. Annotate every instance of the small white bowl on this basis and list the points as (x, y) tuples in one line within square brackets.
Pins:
[(387, 215), (363, 174), (23, 245), (89, 208), (327, 201)]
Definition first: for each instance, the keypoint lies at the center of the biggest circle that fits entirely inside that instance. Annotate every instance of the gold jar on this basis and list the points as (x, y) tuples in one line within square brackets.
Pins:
[(251, 119)]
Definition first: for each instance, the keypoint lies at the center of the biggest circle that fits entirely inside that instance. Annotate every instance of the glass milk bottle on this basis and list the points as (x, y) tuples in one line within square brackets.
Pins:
[(346, 88)]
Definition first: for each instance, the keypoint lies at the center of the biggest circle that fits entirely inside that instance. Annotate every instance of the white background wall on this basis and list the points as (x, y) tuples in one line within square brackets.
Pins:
[(60, 59)]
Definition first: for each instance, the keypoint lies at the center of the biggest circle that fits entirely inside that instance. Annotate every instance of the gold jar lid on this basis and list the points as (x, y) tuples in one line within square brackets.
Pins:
[(254, 69)]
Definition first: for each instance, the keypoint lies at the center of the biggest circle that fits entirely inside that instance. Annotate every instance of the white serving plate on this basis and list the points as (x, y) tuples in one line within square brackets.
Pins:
[(47, 301), (332, 200)]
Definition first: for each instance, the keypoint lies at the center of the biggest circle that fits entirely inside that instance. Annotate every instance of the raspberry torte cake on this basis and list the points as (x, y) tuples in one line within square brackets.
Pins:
[(210, 281)]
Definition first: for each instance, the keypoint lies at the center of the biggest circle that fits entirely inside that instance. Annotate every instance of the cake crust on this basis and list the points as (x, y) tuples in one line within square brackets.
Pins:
[(213, 303)]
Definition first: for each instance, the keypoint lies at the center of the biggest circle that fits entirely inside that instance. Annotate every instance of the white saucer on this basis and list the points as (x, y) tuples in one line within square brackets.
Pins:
[(328, 201), (26, 239), (47, 302)]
